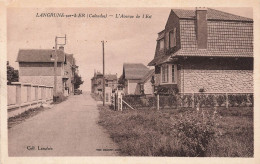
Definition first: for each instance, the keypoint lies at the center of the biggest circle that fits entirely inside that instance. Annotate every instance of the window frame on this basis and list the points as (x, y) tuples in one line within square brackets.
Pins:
[(161, 47), (171, 75), (165, 71)]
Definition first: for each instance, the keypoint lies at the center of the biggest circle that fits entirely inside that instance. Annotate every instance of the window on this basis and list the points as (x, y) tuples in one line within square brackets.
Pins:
[(165, 73), (172, 38), (173, 72), (107, 97), (161, 44)]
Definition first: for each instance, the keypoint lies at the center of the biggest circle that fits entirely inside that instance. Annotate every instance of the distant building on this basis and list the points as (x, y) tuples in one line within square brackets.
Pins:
[(97, 82), (145, 86), (36, 66), (205, 49), (132, 74)]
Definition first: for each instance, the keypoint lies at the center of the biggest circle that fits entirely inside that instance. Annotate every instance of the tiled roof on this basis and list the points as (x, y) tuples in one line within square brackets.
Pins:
[(111, 77), (161, 35), (201, 53), (222, 35), (70, 59), (212, 14), (134, 71), (207, 53), (225, 38), (39, 55), (159, 60), (147, 76)]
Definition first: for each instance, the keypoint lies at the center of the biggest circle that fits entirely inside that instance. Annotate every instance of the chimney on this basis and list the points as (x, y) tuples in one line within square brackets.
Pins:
[(61, 48), (202, 27)]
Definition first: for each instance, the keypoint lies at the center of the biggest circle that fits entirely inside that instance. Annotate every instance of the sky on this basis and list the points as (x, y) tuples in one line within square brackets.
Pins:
[(128, 40)]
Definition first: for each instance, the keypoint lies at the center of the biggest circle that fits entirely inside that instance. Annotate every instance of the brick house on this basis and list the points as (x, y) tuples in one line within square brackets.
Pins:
[(205, 49), (111, 81), (132, 74), (36, 66), (145, 85)]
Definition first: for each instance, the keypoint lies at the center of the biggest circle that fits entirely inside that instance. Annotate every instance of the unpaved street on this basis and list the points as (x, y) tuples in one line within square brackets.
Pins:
[(68, 129)]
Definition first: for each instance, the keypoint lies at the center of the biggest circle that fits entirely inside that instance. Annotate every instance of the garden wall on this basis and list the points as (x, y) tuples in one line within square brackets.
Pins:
[(23, 96)]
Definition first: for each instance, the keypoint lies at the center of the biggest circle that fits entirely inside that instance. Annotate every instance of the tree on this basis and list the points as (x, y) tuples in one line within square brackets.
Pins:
[(77, 81), (12, 74)]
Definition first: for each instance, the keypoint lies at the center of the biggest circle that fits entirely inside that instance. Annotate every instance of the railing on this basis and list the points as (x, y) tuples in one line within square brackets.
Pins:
[(22, 96), (189, 100)]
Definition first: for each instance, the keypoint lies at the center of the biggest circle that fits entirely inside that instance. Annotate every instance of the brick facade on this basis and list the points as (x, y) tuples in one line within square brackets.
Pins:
[(215, 80)]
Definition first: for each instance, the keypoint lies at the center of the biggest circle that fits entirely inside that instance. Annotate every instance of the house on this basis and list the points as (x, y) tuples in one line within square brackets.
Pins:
[(145, 85), (36, 66), (111, 81), (97, 82), (205, 49), (132, 74)]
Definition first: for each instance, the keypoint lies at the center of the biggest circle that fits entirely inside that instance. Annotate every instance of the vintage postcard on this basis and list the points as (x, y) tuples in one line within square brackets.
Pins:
[(129, 83)]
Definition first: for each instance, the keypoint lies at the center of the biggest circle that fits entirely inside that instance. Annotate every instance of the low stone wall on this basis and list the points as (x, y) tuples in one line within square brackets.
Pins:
[(23, 96)]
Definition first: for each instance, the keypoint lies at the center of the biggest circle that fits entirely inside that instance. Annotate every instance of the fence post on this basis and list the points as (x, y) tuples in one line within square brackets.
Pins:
[(18, 93), (193, 100), (227, 100), (36, 93), (121, 102), (158, 102)]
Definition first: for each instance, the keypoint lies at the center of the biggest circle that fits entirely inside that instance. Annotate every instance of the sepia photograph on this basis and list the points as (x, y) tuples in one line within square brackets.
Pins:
[(130, 82)]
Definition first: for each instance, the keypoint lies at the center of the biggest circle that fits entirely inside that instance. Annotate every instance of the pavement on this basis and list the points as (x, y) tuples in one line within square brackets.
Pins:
[(67, 129)]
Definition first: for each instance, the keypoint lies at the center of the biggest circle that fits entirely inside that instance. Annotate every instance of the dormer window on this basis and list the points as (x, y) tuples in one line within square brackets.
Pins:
[(172, 38), (161, 42)]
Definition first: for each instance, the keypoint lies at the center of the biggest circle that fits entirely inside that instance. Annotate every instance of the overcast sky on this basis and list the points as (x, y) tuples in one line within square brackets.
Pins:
[(128, 40)]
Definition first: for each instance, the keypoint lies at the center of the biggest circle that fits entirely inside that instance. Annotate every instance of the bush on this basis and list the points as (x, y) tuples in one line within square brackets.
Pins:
[(152, 101), (200, 100), (251, 99), (60, 98), (220, 99), (210, 101), (196, 130)]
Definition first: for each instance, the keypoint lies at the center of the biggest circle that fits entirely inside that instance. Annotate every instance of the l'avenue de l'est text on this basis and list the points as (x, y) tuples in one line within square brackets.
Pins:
[(83, 15)]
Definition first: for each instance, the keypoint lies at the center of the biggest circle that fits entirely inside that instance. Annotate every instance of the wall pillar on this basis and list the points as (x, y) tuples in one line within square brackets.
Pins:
[(18, 93), (29, 97)]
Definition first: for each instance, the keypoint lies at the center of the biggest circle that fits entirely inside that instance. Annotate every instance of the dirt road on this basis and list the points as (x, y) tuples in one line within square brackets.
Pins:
[(67, 129)]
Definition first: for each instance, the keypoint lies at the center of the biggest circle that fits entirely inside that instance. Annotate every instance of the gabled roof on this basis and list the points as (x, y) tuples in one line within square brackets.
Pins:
[(212, 14), (39, 55), (111, 77), (147, 76), (228, 36), (134, 71)]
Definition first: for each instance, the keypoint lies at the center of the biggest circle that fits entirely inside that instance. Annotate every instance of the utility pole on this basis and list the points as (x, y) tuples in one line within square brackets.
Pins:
[(103, 46), (55, 67)]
